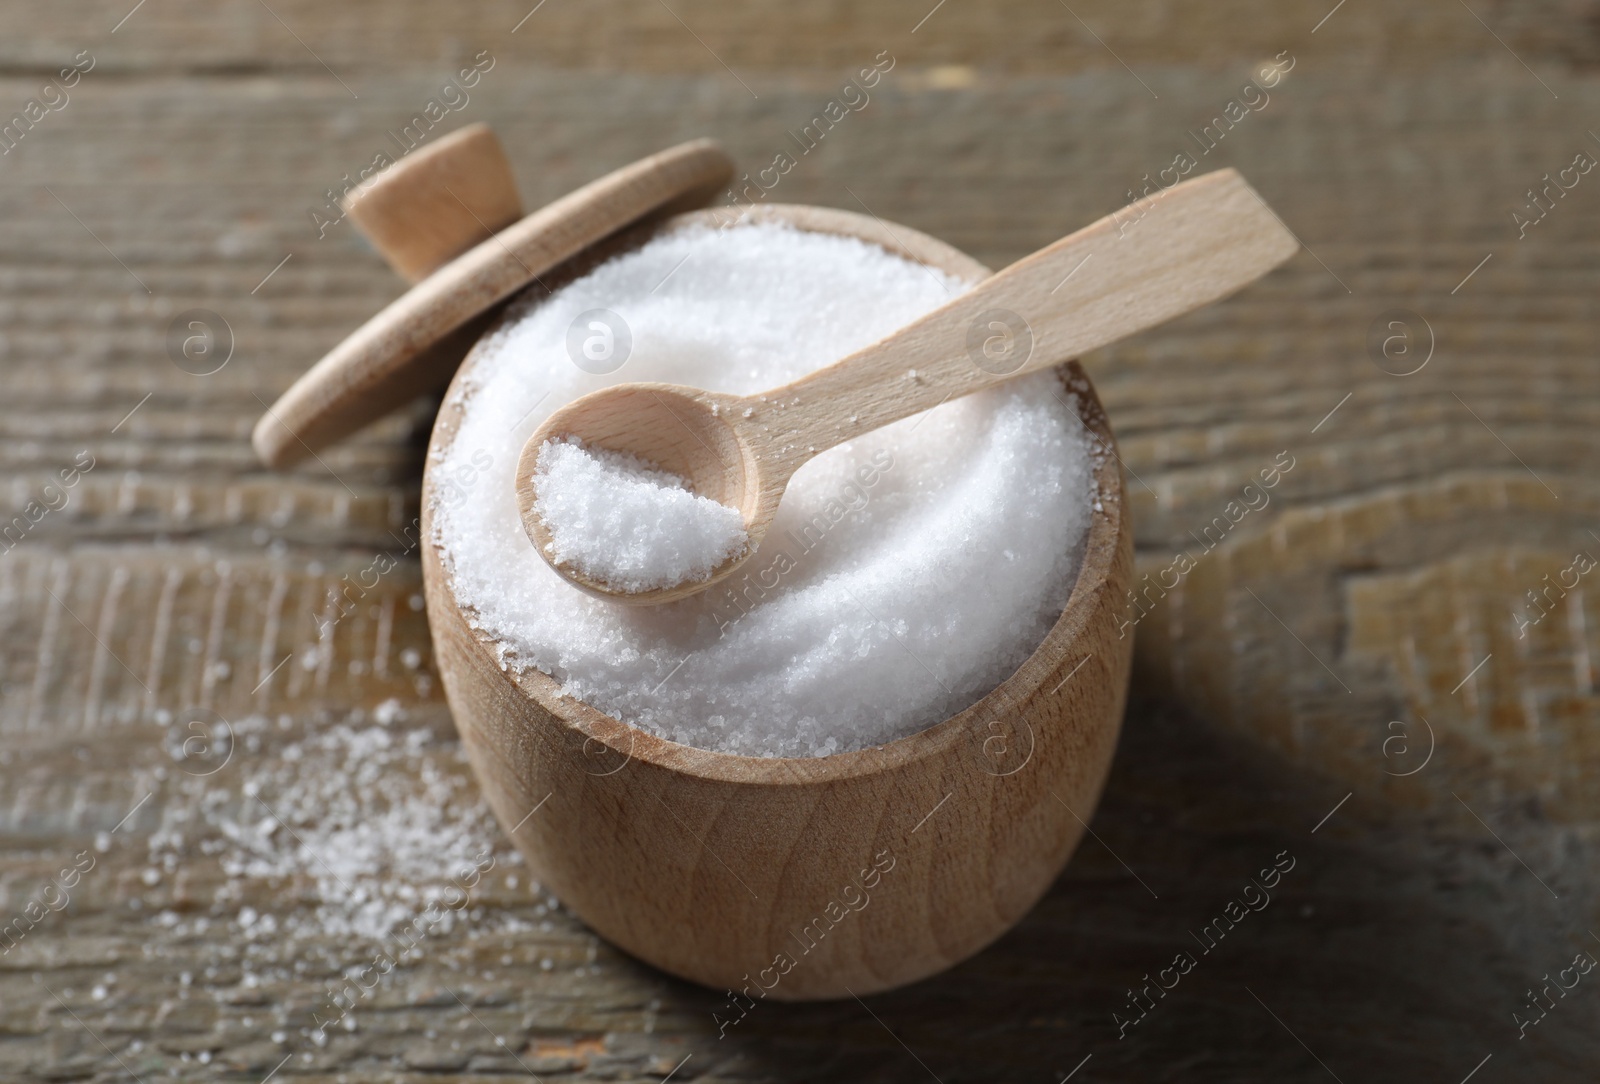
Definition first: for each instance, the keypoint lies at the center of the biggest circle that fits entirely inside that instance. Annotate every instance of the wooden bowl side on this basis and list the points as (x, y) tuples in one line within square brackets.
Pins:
[(805, 878)]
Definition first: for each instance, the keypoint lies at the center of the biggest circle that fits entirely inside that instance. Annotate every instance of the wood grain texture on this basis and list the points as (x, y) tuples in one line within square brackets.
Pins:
[(1397, 148)]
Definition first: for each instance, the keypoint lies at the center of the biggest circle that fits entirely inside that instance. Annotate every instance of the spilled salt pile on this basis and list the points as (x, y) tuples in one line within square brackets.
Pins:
[(373, 823), (906, 574), (626, 525)]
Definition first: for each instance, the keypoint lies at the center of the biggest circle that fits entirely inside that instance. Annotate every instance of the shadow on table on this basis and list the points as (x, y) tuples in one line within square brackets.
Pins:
[(1378, 957)]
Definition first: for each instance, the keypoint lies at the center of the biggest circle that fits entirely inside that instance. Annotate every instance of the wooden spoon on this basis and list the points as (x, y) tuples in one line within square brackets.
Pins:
[(1197, 242)]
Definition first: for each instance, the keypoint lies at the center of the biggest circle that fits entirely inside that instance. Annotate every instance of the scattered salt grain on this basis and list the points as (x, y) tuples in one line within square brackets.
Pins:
[(626, 525), (906, 574)]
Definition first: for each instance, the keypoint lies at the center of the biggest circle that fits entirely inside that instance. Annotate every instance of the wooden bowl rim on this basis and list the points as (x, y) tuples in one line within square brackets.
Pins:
[(634, 743)]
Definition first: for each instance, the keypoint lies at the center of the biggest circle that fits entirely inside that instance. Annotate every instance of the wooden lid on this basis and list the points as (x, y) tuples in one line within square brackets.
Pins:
[(447, 218)]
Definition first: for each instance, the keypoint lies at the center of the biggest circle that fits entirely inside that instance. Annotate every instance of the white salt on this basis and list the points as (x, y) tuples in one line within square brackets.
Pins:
[(626, 525), (907, 573)]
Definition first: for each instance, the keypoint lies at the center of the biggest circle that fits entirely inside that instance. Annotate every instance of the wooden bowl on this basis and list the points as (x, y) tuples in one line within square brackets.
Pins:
[(814, 877)]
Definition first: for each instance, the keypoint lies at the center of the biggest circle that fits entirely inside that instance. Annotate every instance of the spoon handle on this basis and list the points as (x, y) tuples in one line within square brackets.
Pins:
[(1196, 242)]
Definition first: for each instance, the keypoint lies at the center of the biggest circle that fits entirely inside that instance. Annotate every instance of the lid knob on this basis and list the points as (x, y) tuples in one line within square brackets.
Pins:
[(438, 202)]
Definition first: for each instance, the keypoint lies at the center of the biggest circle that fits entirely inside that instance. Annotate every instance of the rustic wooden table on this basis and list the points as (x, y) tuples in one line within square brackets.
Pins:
[(215, 797)]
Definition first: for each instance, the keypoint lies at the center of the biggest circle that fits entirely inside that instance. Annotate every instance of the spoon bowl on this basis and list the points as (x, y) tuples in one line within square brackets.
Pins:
[(700, 436)]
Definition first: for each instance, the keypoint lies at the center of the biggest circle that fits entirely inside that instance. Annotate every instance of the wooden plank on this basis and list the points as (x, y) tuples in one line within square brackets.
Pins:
[(310, 41)]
